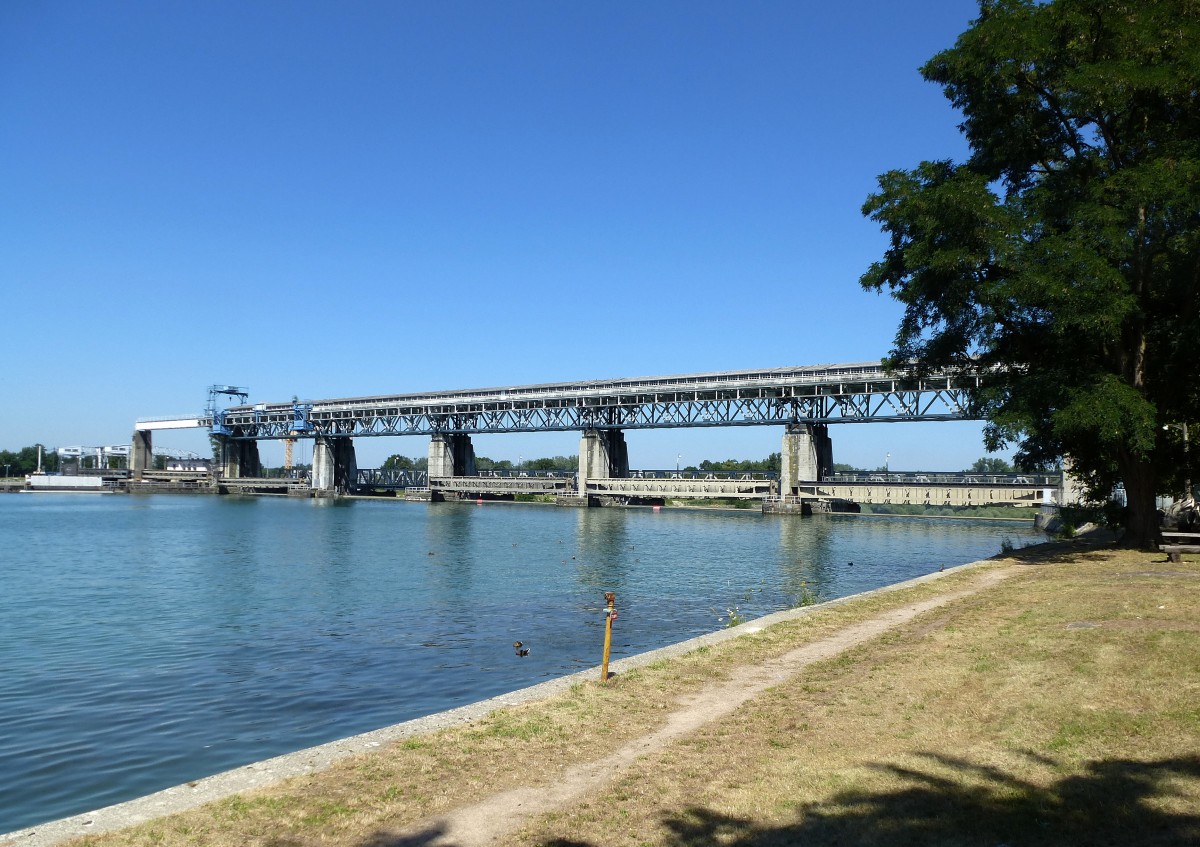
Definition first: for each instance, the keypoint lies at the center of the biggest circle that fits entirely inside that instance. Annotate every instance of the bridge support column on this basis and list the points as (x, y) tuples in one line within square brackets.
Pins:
[(603, 454), (334, 466), (1070, 489), (807, 456), (141, 453), (451, 454), (238, 458)]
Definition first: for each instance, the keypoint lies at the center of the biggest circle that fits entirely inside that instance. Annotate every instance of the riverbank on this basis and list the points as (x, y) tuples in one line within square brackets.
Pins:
[(1048, 697)]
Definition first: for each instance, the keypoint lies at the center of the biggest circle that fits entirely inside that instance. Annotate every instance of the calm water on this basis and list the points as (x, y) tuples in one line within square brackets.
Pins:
[(147, 641)]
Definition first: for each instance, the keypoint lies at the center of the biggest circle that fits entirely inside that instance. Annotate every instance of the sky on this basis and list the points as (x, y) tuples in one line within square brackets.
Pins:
[(325, 200)]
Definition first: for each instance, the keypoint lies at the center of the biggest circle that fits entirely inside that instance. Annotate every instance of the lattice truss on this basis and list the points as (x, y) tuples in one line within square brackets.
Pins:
[(819, 397)]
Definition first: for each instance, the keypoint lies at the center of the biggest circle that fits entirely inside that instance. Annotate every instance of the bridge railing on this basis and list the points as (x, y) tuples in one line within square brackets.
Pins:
[(704, 475), (934, 478), (518, 473)]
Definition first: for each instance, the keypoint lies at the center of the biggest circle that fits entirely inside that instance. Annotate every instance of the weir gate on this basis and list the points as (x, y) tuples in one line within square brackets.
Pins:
[(804, 402)]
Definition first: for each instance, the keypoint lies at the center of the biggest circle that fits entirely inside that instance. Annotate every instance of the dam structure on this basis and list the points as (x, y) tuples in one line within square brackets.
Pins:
[(803, 401)]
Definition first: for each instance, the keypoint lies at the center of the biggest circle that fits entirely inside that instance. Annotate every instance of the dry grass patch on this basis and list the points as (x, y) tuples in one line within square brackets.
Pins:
[(1059, 707)]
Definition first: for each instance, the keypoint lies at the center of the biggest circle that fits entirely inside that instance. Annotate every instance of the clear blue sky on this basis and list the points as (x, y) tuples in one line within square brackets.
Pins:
[(333, 199)]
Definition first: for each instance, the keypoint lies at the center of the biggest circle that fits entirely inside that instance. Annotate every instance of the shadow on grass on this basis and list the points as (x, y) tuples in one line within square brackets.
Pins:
[(1112, 803), (1068, 551), (954, 802)]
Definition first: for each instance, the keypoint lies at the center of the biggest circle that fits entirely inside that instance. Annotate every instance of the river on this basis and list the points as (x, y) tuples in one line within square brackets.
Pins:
[(150, 640)]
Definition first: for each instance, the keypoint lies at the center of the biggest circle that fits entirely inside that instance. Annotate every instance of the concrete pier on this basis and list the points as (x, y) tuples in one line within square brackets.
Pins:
[(237, 458), (603, 454), (334, 467), (806, 456), (141, 453), (451, 454)]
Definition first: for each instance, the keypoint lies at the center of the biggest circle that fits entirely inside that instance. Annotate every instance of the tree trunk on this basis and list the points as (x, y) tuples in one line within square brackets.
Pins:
[(1142, 529)]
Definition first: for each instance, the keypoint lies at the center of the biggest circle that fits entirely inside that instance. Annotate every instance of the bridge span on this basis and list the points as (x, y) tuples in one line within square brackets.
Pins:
[(803, 401), (934, 490)]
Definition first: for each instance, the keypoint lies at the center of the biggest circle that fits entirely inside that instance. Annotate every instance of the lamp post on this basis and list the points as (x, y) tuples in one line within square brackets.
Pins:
[(6, 467), (1187, 491), (886, 460), (678, 459)]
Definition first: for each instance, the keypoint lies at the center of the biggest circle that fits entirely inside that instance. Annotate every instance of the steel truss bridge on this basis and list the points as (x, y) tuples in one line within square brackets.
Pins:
[(822, 394)]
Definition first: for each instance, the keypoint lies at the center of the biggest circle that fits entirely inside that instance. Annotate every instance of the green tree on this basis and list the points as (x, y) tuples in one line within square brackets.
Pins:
[(396, 462), (1063, 256), (552, 463), (25, 461), (771, 463), (990, 464)]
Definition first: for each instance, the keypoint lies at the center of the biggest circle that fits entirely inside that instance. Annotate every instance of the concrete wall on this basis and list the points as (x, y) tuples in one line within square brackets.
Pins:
[(66, 483)]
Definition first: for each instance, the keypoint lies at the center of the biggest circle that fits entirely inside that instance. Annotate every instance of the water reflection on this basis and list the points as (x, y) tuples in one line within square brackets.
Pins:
[(159, 639), (604, 552), (448, 559), (806, 546)]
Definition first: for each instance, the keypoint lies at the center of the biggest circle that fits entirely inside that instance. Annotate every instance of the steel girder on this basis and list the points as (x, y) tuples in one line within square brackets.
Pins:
[(730, 400), (391, 478), (681, 488), (502, 485)]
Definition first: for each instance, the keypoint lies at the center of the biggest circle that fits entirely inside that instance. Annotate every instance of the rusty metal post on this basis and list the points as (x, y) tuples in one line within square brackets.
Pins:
[(610, 615)]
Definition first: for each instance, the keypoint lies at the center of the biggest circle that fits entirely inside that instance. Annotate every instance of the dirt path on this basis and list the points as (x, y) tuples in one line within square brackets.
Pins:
[(486, 822)]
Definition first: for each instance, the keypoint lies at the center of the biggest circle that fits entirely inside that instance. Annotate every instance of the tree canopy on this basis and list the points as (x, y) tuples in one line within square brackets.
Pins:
[(404, 463), (1063, 256), (769, 464), (991, 465), (25, 461)]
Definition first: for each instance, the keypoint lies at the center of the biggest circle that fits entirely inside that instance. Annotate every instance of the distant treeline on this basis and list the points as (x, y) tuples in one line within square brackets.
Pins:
[(769, 464), (483, 463), (25, 461), (986, 465)]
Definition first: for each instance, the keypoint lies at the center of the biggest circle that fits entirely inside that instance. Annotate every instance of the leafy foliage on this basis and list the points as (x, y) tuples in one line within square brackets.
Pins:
[(548, 463), (1064, 255), (769, 464), (404, 463), (990, 464), (25, 461), (552, 463)]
